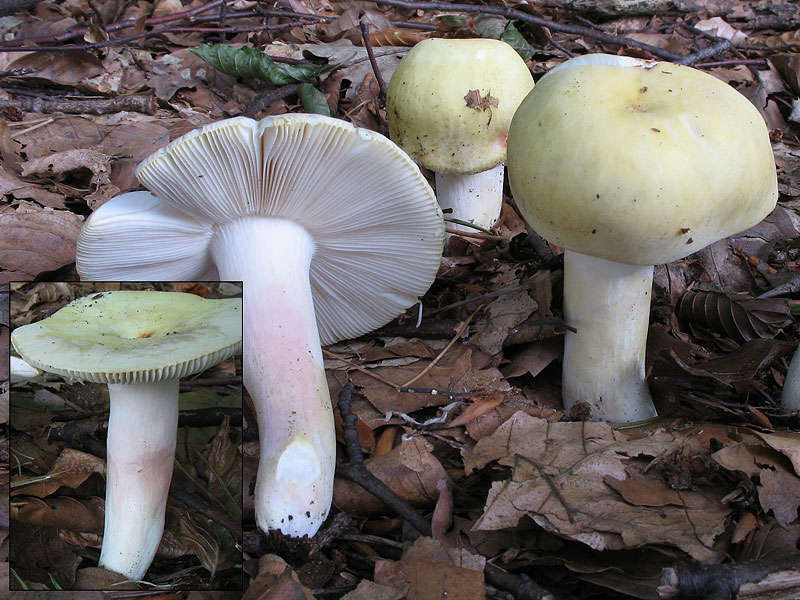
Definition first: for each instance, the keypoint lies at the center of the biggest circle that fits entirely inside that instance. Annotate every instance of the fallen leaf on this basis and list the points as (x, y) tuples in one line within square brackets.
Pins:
[(410, 470), (576, 459), (276, 580), (34, 241)]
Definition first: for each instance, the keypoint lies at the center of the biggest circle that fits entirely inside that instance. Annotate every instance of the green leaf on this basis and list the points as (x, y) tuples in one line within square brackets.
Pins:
[(249, 63), (514, 38), (313, 100), (453, 20)]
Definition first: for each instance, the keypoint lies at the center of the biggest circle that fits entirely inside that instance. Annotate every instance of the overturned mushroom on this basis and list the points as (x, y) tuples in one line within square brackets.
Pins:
[(334, 232)]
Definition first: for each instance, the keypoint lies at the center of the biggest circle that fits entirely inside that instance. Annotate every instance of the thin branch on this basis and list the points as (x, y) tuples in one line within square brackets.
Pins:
[(512, 13), (94, 106), (439, 356), (368, 45)]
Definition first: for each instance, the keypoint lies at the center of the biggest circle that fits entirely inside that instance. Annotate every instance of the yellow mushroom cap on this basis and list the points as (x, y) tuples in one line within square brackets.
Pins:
[(638, 162), (133, 336), (450, 102)]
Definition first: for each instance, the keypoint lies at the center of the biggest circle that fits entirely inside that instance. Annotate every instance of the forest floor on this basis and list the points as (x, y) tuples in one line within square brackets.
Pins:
[(495, 492)]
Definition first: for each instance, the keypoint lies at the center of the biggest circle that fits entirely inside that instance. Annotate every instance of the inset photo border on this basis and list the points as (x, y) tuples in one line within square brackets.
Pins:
[(106, 378)]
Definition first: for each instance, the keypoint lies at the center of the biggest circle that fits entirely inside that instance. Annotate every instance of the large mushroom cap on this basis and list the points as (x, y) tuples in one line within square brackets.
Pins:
[(638, 162), (133, 336), (377, 228), (450, 102)]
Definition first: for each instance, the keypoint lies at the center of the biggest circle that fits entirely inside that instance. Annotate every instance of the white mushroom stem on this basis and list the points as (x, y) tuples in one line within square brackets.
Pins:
[(609, 305), (790, 397), (283, 370), (142, 430), (21, 371), (475, 198)]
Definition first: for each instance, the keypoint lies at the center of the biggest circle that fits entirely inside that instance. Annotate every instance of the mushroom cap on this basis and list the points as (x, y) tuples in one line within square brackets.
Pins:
[(374, 219), (450, 102), (638, 162), (133, 336)]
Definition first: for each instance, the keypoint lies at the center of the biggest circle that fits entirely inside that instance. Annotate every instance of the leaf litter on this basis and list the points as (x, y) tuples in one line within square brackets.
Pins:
[(586, 508)]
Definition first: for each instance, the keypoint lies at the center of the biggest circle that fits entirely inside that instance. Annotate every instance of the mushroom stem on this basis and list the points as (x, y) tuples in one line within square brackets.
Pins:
[(283, 370), (476, 198), (609, 305), (142, 430), (790, 397)]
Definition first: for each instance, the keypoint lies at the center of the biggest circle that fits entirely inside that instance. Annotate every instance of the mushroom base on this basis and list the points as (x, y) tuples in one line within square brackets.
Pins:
[(609, 305), (142, 431), (283, 370)]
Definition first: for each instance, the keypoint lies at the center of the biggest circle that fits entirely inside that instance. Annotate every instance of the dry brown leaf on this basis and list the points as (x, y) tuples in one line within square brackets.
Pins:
[(740, 318), (785, 442), (410, 470), (61, 512), (71, 469), (208, 541), (97, 578), (482, 403), (75, 160), (396, 37), (63, 68), (223, 461), (779, 492), (32, 242), (276, 581), (501, 316), (431, 573), (369, 590), (577, 458)]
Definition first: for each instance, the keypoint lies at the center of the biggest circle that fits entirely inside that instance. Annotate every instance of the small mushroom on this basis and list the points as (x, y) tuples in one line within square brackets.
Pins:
[(449, 105), (790, 396), (628, 164), (333, 231), (140, 343)]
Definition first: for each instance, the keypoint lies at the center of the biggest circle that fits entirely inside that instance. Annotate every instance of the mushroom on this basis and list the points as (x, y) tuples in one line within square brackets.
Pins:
[(334, 232), (21, 371), (140, 343), (790, 396), (449, 105), (627, 164)]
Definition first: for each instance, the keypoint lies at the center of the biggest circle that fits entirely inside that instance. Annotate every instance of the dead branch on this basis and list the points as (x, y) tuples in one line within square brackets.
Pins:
[(94, 106), (512, 13), (774, 578)]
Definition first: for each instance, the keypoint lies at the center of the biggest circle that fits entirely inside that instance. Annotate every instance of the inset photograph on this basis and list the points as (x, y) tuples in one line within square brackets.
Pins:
[(126, 436)]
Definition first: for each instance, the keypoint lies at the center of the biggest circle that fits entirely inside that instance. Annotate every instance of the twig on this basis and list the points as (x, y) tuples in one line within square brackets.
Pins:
[(722, 582), (367, 372), (522, 588), (512, 13), (15, 45), (95, 106), (439, 356), (372, 61), (476, 235), (551, 484), (262, 101), (357, 471)]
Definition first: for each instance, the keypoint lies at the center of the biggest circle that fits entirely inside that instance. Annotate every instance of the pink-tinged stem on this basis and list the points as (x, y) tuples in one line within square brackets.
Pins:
[(283, 370), (142, 431)]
